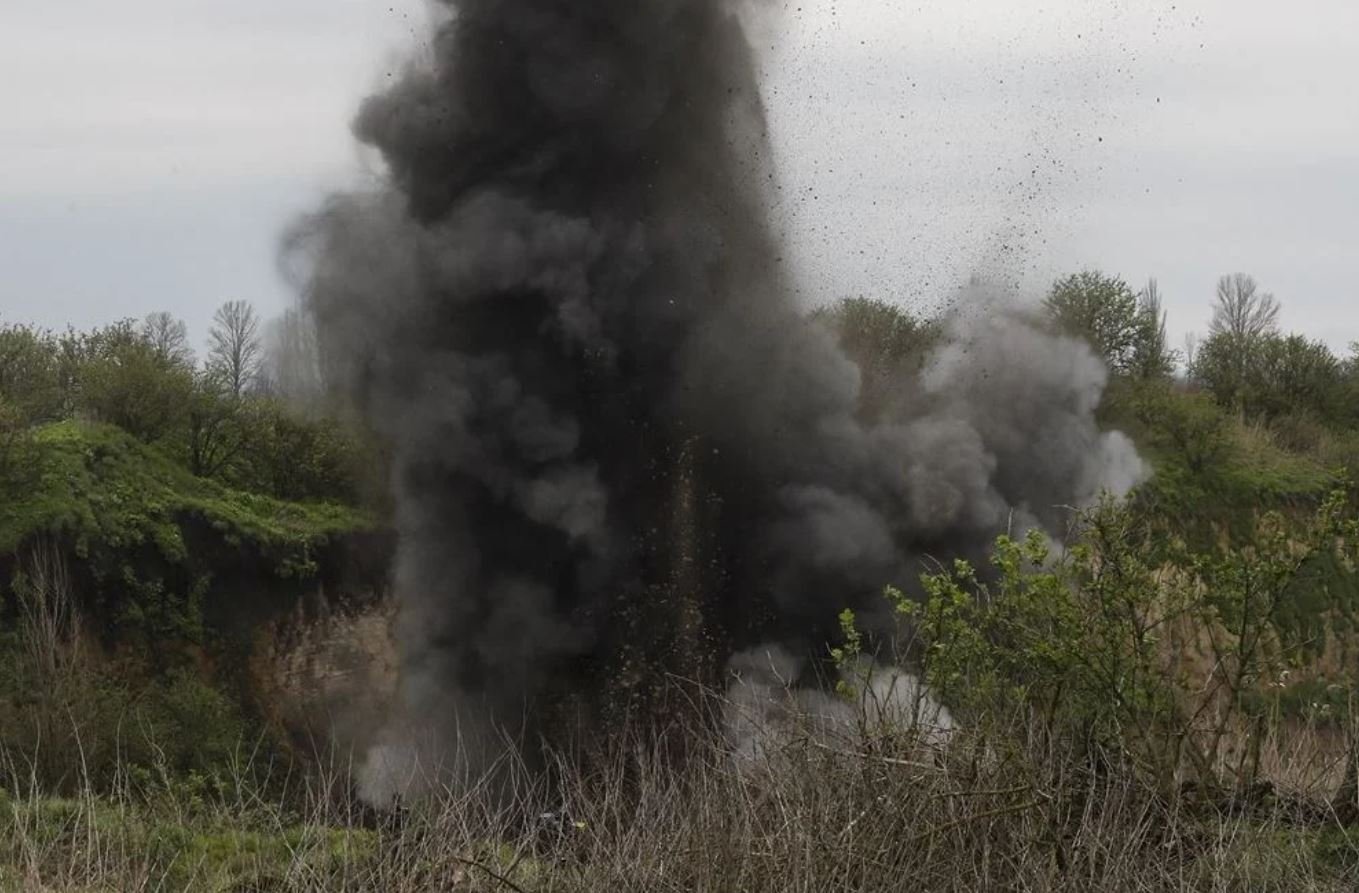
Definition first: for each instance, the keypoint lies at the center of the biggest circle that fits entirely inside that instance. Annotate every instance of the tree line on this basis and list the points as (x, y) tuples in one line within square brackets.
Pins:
[(1246, 370), (251, 411), (1246, 362), (246, 414)]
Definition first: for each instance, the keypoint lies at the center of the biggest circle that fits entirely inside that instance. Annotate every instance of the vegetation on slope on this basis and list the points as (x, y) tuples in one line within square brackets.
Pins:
[(108, 494)]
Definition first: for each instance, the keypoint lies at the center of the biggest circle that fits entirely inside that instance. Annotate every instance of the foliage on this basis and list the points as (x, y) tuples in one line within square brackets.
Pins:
[(1272, 376), (290, 456), (213, 431), (1291, 374), (101, 487), (1212, 473), (1090, 640), (17, 456), (1103, 311), (127, 383), (1188, 424), (78, 722), (884, 340), (129, 515), (30, 383)]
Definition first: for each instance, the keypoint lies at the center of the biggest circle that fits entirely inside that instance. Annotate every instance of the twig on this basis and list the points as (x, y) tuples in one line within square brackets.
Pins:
[(891, 761), (989, 814), (1000, 792), (495, 875)]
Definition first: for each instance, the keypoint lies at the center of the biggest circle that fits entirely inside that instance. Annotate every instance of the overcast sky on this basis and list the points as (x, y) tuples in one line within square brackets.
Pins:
[(153, 150)]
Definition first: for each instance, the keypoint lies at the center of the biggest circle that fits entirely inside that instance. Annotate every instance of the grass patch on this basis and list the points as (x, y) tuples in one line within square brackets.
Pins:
[(101, 843)]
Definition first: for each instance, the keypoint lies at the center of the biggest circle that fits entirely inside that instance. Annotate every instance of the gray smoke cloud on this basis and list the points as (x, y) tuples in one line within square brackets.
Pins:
[(766, 711), (568, 300)]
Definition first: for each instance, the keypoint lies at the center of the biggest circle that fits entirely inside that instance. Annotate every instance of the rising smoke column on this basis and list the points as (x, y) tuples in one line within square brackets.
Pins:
[(568, 290)]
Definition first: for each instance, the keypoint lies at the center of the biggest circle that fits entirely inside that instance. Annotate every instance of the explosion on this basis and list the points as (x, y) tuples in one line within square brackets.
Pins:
[(616, 441)]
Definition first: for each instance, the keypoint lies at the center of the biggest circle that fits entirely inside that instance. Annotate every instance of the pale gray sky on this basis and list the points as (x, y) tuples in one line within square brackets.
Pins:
[(154, 149)]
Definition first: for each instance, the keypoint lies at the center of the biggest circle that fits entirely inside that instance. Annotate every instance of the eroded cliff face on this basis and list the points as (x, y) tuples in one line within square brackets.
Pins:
[(326, 678)]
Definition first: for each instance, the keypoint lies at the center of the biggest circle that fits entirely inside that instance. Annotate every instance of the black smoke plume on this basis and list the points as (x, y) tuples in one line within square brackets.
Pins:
[(616, 440)]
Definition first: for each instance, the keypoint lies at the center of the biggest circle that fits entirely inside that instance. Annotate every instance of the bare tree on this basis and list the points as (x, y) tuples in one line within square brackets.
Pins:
[(234, 346), (1243, 316), (290, 361), (1242, 311), (168, 337), (1152, 356), (1190, 353)]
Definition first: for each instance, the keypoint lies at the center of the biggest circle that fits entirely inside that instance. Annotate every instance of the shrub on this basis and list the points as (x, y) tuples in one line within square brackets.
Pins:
[(29, 373), (294, 457), (127, 383), (1190, 425), (77, 718), (1085, 640), (18, 457)]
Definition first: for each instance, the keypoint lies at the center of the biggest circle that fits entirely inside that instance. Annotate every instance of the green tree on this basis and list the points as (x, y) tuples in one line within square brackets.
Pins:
[(1076, 639), (1189, 425), (17, 456), (290, 456), (1243, 316), (1104, 312), (29, 374), (1289, 373), (1349, 372), (1221, 365), (126, 382), (883, 339), (213, 430), (1268, 376)]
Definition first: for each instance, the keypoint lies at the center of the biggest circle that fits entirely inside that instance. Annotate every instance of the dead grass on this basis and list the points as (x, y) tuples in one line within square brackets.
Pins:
[(1006, 802), (1003, 806)]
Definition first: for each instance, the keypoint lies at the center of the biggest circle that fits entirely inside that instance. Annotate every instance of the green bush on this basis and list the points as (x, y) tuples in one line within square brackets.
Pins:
[(1189, 425), (1077, 638), (18, 458), (128, 383), (1299, 431), (294, 457)]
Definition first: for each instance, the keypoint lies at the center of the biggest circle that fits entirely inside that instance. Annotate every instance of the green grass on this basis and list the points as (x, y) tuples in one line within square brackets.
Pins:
[(1261, 469), (1254, 474), (210, 850), (1226, 499)]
